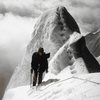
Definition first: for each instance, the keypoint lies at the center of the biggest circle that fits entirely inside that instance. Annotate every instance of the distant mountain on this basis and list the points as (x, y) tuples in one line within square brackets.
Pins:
[(93, 42)]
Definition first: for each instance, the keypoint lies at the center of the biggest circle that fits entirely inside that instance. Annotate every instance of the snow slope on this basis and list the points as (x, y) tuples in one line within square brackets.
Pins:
[(72, 83), (78, 87)]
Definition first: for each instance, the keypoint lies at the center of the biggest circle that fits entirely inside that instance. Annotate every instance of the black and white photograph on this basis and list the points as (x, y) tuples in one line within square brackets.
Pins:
[(49, 49)]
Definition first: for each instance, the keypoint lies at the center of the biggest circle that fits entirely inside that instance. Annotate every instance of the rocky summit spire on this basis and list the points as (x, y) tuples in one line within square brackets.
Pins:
[(51, 32), (67, 20)]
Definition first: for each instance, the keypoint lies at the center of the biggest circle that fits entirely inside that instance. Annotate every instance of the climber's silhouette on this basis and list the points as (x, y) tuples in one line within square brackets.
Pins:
[(39, 64)]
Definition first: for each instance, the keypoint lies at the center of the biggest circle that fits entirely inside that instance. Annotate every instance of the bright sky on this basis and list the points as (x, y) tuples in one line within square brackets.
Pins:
[(15, 33)]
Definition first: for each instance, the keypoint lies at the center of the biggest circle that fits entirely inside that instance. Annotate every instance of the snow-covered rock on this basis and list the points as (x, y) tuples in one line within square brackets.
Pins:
[(62, 59), (54, 33), (51, 31), (93, 42)]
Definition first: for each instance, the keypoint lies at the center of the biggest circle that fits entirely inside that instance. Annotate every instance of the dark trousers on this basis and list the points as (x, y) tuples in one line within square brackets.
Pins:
[(37, 77)]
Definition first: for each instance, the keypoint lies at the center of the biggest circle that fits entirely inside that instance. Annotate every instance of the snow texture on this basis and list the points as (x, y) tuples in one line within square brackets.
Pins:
[(51, 32), (68, 78), (72, 83), (62, 58), (77, 87)]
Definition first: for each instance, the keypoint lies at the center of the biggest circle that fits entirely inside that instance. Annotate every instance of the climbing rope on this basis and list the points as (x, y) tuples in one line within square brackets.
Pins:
[(87, 80), (97, 83)]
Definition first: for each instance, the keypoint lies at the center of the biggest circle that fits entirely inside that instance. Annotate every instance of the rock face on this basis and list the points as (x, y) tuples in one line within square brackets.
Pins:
[(93, 42), (51, 32), (80, 50), (77, 45)]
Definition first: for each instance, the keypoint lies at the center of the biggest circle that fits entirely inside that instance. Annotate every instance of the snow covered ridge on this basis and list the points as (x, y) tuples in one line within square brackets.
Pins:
[(74, 37), (72, 81), (51, 31), (78, 87), (61, 58)]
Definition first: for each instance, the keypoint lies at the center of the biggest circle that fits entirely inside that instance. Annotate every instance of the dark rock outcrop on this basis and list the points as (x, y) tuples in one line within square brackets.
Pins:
[(67, 19), (80, 50), (93, 43)]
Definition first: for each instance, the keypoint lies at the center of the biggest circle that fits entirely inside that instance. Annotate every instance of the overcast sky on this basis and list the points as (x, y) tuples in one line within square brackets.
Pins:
[(17, 18), (86, 12)]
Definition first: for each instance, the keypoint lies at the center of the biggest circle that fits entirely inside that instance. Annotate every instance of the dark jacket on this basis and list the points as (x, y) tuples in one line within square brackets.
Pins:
[(40, 63)]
